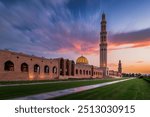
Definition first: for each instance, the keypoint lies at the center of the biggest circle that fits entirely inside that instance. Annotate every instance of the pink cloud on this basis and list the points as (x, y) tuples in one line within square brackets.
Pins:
[(112, 65)]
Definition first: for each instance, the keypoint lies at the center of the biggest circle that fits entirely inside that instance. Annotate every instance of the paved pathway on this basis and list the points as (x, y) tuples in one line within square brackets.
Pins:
[(54, 94)]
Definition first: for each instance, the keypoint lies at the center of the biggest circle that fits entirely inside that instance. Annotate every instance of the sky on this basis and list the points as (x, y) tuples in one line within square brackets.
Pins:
[(70, 28)]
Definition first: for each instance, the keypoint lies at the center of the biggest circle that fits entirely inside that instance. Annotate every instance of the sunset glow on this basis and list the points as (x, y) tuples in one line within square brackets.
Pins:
[(71, 28)]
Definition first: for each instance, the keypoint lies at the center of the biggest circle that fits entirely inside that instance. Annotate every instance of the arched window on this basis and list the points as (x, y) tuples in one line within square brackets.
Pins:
[(80, 72), (24, 67), (62, 66), (67, 67), (9, 66), (87, 72), (83, 72), (72, 68), (36, 68), (76, 71), (54, 70), (46, 69)]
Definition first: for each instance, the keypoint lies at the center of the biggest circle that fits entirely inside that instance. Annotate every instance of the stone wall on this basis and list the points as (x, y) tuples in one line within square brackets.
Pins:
[(87, 71), (18, 59), (18, 66)]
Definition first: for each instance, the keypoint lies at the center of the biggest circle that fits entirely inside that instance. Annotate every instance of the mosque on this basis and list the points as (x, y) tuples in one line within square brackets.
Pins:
[(19, 66)]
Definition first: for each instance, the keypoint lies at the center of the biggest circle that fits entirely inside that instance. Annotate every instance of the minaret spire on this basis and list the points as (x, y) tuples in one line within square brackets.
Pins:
[(120, 67), (103, 43), (103, 46)]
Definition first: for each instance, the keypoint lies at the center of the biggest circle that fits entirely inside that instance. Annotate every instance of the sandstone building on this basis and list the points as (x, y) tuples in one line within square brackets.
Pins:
[(20, 66)]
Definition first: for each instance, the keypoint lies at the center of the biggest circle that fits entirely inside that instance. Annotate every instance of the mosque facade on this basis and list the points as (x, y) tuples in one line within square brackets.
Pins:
[(19, 66)]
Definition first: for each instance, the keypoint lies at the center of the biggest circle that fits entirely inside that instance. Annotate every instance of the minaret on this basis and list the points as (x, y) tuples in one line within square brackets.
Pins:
[(120, 67), (103, 43)]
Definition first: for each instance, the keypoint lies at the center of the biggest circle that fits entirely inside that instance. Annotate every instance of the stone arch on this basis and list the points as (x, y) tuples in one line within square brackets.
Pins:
[(80, 72), (24, 67), (54, 70), (77, 71), (46, 69), (87, 72), (72, 68), (67, 67), (36, 68), (92, 71), (83, 72), (9, 66), (61, 66)]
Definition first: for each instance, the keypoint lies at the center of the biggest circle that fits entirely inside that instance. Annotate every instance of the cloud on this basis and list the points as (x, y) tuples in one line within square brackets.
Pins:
[(49, 26), (36, 26), (112, 65), (139, 61), (134, 39)]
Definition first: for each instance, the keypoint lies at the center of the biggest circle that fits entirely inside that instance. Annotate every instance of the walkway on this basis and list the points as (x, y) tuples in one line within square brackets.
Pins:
[(54, 94)]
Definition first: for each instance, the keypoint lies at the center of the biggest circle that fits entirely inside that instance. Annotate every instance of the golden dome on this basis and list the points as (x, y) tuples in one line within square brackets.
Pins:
[(82, 60)]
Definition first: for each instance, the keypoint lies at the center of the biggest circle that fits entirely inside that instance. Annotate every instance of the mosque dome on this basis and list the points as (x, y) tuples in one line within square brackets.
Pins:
[(82, 60)]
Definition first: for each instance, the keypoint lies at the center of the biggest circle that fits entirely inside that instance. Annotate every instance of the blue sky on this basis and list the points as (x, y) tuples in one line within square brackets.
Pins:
[(69, 28)]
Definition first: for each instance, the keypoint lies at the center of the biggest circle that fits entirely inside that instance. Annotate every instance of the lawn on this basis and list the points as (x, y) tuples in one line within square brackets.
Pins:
[(147, 79), (38, 81), (43, 81), (9, 92), (23, 82), (136, 89)]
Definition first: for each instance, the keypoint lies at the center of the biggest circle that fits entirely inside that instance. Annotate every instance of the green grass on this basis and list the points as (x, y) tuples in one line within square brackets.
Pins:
[(40, 81), (23, 82), (24, 90), (35, 81), (147, 79), (136, 89)]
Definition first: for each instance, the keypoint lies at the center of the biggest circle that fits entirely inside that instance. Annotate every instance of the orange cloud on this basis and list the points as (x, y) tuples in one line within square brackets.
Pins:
[(139, 61)]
